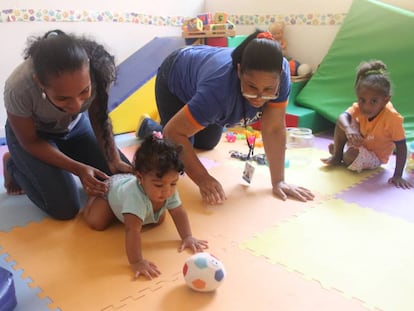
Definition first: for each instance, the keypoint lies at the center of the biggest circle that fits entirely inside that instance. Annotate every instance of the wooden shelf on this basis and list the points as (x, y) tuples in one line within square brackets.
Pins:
[(209, 33)]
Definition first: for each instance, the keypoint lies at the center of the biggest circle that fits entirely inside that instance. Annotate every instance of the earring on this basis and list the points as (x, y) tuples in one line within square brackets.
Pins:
[(43, 94)]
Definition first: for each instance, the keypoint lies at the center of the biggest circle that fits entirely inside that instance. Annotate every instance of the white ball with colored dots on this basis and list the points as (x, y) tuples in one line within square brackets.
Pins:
[(203, 272)]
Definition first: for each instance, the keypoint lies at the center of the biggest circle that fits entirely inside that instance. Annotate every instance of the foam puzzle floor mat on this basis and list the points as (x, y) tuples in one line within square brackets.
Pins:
[(333, 253)]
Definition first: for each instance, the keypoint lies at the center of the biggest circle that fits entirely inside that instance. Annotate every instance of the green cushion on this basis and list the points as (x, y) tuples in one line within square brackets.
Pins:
[(235, 41)]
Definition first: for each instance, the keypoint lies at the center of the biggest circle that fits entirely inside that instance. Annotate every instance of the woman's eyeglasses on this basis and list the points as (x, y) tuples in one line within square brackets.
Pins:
[(264, 97), (256, 96)]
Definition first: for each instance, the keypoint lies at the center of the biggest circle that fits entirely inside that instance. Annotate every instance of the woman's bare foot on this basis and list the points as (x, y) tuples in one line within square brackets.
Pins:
[(9, 183), (332, 160)]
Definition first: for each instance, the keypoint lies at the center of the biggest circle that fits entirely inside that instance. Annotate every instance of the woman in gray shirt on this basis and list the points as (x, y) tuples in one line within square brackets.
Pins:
[(57, 123)]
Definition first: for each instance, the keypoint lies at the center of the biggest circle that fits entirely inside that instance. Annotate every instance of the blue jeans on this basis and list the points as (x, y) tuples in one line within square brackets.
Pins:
[(168, 105), (50, 188)]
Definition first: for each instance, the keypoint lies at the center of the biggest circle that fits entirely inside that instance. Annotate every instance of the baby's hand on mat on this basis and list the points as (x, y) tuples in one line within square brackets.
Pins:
[(145, 268), (194, 244)]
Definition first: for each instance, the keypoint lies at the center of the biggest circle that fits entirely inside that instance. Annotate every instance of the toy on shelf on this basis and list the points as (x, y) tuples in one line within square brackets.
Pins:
[(277, 30), (205, 26), (298, 71)]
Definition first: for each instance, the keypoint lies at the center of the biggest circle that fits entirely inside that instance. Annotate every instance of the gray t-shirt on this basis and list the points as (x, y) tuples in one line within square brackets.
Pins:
[(23, 98)]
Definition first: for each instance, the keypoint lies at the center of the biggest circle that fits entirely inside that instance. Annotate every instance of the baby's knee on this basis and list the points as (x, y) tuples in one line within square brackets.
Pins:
[(97, 224)]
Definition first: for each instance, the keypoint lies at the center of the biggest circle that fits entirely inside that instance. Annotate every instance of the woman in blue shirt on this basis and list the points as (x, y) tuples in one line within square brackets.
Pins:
[(201, 89)]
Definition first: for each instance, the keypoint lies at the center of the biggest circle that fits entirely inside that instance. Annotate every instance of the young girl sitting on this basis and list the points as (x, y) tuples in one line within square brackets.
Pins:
[(142, 198), (371, 127)]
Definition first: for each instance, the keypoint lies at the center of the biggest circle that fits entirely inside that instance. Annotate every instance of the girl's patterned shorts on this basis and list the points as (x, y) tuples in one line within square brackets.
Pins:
[(365, 160)]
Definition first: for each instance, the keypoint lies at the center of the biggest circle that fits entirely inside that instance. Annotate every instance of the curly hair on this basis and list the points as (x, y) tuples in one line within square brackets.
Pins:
[(373, 74), (159, 155)]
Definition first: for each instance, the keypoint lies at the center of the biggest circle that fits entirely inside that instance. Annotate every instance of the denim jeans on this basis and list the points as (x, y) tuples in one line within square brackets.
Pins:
[(169, 104), (50, 188)]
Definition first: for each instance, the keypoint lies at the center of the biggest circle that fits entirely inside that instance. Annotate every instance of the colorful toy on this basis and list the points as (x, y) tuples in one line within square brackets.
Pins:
[(294, 65), (207, 26), (203, 272), (299, 70), (193, 24), (206, 18), (220, 18), (230, 137)]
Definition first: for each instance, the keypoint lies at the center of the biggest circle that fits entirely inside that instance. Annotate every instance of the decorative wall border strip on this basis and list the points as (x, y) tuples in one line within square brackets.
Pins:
[(52, 15)]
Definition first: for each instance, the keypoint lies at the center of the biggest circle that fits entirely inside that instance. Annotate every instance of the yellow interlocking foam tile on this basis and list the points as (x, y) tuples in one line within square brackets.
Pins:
[(358, 251)]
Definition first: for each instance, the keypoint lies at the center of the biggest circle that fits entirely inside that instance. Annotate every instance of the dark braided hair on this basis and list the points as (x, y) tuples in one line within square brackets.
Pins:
[(57, 52), (159, 155), (103, 73)]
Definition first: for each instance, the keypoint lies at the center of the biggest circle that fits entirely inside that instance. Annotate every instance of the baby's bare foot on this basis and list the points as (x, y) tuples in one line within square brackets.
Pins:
[(9, 183), (333, 160)]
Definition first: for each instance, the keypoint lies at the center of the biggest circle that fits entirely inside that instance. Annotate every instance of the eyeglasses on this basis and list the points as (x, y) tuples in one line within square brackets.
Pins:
[(264, 97)]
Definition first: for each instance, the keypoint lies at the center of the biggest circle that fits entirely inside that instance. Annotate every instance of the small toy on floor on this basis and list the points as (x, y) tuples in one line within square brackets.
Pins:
[(203, 272)]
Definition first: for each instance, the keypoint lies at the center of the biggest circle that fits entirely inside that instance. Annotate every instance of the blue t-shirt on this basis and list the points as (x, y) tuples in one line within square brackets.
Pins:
[(203, 77)]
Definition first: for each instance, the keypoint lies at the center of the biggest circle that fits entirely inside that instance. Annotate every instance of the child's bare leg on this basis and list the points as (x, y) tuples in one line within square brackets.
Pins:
[(337, 148), (10, 184), (350, 155), (98, 214), (331, 148)]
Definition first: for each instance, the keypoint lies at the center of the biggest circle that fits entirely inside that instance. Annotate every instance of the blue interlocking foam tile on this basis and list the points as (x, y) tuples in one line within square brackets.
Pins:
[(17, 211), (27, 296)]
